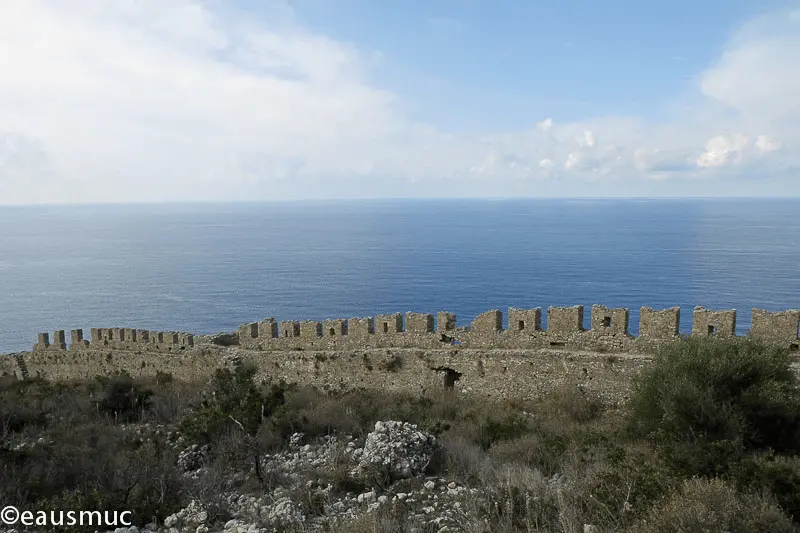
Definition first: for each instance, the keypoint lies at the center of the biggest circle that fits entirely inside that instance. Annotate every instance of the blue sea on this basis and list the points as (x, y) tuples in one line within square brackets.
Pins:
[(210, 267)]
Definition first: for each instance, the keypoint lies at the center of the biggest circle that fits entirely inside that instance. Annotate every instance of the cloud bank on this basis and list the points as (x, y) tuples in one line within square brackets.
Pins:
[(153, 100)]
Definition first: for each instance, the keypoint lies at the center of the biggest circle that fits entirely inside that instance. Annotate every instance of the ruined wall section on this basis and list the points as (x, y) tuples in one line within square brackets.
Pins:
[(659, 325), (116, 339), (419, 323), (565, 328), (709, 323), (783, 327)]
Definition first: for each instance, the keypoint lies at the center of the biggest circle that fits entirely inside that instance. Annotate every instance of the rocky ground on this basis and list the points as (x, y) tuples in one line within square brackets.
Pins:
[(395, 456), (389, 465)]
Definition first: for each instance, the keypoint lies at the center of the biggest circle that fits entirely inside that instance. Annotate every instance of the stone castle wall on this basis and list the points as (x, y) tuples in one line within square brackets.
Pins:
[(565, 327), (415, 352)]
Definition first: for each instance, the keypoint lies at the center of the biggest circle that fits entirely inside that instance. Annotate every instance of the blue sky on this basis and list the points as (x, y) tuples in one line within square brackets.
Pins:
[(163, 100), (529, 59)]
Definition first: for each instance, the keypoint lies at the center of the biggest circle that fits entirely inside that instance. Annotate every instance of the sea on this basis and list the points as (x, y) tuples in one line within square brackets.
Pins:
[(206, 268)]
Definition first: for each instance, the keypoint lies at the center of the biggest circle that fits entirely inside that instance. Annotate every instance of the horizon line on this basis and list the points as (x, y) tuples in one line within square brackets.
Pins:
[(380, 199)]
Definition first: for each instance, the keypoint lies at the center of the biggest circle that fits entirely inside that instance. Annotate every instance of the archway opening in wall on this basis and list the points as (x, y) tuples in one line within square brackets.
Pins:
[(606, 321), (332, 332), (794, 347), (712, 331), (521, 325), (386, 327)]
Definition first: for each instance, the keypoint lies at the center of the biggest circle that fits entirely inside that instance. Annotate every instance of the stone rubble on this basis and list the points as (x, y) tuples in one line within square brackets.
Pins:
[(305, 500)]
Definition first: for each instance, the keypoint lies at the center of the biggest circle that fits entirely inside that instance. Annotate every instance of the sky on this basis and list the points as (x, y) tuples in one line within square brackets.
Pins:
[(105, 101)]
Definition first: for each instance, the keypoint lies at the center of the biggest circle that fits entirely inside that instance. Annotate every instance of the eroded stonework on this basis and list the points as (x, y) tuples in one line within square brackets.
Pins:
[(565, 328), (411, 352)]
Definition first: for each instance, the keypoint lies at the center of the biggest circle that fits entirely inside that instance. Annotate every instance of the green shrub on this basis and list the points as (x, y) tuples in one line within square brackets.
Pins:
[(236, 400), (495, 430), (93, 467), (778, 475), (709, 402), (122, 397)]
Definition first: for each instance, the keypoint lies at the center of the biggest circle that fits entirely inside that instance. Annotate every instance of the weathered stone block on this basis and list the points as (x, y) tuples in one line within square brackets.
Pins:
[(186, 340), (42, 341), (289, 329), (488, 323), (131, 336), (659, 324), (59, 340), (143, 336), (708, 323), (335, 327), (76, 340), (268, 328), (524, 321), (563, 321), (608, 320), (248, 331), (776, 327), (310, 329), (445, 321), (419, 323), (360, 327), (388, 324)]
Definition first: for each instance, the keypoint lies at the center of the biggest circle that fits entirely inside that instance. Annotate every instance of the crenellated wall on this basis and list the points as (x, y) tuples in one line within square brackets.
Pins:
[(565, 327), (117, 338)]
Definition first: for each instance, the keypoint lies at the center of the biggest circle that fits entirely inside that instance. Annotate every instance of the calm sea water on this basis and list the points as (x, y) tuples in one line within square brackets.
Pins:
[(208, 268)]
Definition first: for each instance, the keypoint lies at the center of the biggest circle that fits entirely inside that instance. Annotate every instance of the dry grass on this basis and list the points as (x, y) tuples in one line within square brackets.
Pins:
[(712, 505)]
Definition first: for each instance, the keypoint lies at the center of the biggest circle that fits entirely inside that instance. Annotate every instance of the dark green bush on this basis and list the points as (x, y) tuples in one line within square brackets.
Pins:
[(122, 397), (709, 402), (96, 466), (495, 430), (778, 475), (236, 400)]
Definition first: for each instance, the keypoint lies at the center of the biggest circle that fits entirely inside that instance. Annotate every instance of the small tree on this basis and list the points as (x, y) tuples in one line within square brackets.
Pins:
[(708, 402), (236, 400), (122, 397)]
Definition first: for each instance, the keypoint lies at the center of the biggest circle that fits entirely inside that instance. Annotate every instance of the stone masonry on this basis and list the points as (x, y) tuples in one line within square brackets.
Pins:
[(565, 328)]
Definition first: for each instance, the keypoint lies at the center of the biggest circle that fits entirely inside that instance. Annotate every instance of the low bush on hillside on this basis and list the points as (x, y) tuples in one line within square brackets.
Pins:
[(235, 399), (708, 404)]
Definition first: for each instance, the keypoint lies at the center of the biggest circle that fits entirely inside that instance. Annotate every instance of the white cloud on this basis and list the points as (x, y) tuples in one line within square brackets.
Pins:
[(723, 150), (587, 139), (758, 76), (765, 145), (176, 99)]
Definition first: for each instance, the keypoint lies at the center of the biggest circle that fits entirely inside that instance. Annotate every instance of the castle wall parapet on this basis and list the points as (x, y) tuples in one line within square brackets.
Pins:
[(709, 323), (659, 325), (565, 327)]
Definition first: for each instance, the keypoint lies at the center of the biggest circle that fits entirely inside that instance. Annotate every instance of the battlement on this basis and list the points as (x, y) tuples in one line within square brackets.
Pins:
[(565, 327), (117, 338)]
